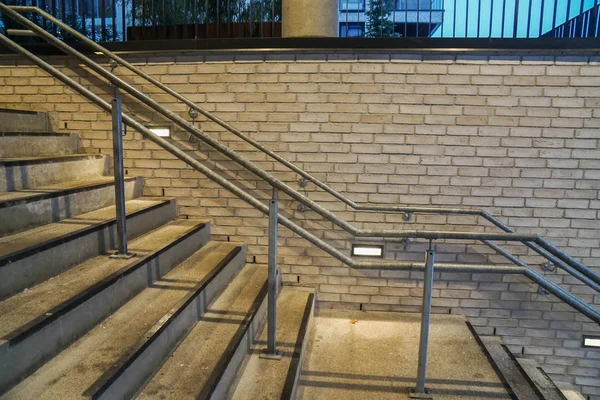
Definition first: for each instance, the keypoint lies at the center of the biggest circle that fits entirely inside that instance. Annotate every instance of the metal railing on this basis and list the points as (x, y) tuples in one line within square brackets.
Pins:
[(538, 244), (134, 20), (583, 25)]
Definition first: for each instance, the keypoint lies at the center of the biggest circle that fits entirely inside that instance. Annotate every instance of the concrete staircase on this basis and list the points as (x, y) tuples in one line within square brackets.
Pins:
[(181, 319)]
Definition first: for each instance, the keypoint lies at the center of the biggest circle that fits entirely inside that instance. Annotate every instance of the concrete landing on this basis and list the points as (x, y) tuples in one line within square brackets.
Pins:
[(359, 355)]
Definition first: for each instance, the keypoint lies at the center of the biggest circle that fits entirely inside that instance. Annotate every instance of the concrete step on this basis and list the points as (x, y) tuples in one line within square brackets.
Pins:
[(28, 208), (23, 121), (205, 364), (29, 172), (30, 257), (264, 378), (37, 324), (71, 373), (36, 144), (507, 368)]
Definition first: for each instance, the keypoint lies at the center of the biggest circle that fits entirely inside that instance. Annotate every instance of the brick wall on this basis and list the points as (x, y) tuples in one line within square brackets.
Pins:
[(516, 135)]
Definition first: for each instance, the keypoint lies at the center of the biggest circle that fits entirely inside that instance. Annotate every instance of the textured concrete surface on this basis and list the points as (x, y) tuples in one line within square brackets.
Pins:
[(23, 145), (29, 208), (189, 372), (24, 307), (265, 379), (30, 257), (310, 18), (23, 121), (30, 172), (373, 355), (70, 374), (32, 237)]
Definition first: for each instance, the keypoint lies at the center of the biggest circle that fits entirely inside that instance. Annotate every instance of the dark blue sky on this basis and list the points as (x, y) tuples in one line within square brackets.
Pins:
[(483, 15)]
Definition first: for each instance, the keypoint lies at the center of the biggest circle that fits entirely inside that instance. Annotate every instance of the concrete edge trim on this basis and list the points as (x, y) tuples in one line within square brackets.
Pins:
[(103, 383), (37, 134), (58, 311), (49, 160), (289, 389), (21, 254)]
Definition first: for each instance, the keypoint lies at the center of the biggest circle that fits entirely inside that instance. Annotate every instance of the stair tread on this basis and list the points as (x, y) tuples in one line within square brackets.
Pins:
[(12, 245), (71, 372), (25, 308), (48, 159), (263, 378), (194, 365), (46, 191)]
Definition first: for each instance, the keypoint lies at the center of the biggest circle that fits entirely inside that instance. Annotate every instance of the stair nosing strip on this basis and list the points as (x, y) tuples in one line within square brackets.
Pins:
[(49, 160), (29, 251), (63, 192), (115, 371), (23, 332), (295, 361)]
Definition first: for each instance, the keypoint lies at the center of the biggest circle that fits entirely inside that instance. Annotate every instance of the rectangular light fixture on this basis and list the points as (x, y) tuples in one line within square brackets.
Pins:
[(591, 341), (367, 250), (161, 131)]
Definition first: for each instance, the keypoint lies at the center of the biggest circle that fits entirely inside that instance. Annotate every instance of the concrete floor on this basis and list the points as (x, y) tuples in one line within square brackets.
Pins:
[(371, 355)]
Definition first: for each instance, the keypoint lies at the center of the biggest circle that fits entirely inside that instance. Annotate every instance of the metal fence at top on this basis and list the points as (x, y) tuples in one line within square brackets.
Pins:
[(133, 20)]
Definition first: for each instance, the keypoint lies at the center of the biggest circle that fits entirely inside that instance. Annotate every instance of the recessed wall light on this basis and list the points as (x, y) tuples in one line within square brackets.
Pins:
[(367, 250), (591, 341), (161, 131)]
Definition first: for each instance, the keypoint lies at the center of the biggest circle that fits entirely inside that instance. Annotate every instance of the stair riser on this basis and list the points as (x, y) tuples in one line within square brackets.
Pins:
[(46, 263), (27, 176), (24, 216), (24, 122), (23, 357), (131, 380), (228, 378), (34, 146)]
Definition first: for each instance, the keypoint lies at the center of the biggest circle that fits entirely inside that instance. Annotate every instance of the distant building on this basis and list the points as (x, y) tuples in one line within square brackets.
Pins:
[(411, 18)]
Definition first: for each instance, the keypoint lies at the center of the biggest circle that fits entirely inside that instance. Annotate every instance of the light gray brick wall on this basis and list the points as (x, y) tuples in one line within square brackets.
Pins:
[(515, 134)]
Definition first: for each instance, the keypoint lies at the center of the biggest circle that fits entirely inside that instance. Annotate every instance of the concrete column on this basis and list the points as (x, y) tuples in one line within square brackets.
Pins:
[(310, 18)]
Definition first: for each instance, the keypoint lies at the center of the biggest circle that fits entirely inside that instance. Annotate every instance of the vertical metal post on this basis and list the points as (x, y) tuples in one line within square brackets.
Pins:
[(425, 322), (271, 352), (117, 124)]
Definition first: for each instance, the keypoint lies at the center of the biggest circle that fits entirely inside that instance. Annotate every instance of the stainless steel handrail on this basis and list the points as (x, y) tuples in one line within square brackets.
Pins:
[(538, 244), (561, 293)]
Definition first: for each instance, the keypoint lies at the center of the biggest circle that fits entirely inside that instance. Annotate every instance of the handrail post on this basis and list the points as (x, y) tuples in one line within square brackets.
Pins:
[(273, 282), (420, 392), (117, 135)]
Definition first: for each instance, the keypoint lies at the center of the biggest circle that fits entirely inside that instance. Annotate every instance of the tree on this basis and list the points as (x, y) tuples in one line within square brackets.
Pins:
[(378, 18)]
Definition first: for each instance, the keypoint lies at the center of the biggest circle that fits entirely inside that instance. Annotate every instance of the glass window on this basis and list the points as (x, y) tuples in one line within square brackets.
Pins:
[(352, 5), (352, 29)]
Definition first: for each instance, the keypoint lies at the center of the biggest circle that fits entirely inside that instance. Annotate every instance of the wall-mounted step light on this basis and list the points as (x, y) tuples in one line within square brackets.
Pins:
[(162, 131), (367, 250), (591, 341)]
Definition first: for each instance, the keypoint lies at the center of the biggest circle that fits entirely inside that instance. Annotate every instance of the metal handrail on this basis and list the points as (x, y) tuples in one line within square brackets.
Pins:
[(522, 268), (535, 242)]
